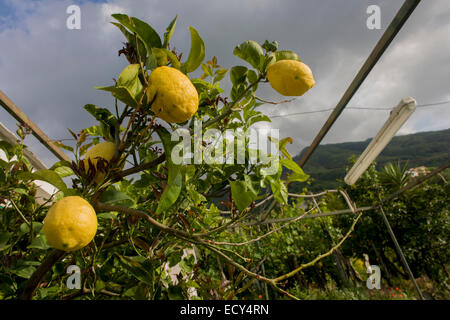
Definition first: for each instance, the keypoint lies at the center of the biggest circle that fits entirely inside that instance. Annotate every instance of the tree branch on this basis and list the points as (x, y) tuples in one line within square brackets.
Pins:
[(54, 256), (139, 168), (229, 109), (312, 262)]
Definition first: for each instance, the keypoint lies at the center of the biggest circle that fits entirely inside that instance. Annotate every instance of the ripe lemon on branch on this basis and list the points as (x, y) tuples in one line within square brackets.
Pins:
[(172, 95), (105, 151), (70, 224), (290, 77)]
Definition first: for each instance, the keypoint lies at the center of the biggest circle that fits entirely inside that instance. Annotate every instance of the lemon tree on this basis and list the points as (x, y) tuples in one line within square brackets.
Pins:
[(130, 211)]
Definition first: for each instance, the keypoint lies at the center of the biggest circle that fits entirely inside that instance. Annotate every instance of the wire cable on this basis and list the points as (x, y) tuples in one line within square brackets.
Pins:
[(356, 108)]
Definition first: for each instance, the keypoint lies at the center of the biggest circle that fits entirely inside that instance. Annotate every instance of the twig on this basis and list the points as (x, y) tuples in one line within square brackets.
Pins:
[(312, 262), (139, 168), (87, 291), (133, 115), (54, 256), (264, 235), (229, 108), (272, 102)]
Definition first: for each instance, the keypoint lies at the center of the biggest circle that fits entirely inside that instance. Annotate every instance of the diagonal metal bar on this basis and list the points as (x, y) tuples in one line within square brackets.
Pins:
[(20, 116), (394, 27), (400, 252)]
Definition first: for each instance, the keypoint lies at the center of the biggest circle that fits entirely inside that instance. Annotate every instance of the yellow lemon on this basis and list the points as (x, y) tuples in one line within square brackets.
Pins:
[(103, 150), (172, 95), (70, 224), (290, 77)]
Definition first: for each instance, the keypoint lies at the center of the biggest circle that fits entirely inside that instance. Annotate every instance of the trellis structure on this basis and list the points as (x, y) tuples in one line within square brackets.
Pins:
[(352, 209), (401, 17)]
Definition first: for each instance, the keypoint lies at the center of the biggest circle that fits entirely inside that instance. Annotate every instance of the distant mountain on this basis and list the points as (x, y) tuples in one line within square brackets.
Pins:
[(328, 162)]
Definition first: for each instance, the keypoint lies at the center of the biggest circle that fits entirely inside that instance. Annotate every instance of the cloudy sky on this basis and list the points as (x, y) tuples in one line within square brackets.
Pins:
[(49, 71)]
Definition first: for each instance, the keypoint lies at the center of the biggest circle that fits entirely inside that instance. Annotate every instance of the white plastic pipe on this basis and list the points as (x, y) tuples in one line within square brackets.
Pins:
[(397, 118)]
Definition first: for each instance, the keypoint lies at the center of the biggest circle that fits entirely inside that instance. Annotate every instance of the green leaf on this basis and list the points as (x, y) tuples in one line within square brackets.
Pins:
[(197, 53), (46, 175), (195, 196), (166, 139), (129, 79), (270, 46), (24, 272), (258, 118), (238, 74), (64, 171), (173, 188), (252, 76), (175, 178), (62, 163), (175, 293), (201, 85), (40, 242), (8, 148), (243, 193), (139, 267), (173, 59), (4, 238), (300, 177), (291, 165), (93, 131), (286, 55), (160, 55), (107, 215), (62, 145), (175, 258), (219, 75), (169, 31), (131, 39), (298, 174), (251, 52), (107, 121), (279, 190), (145, 32), (282, 145), (25, 228), (128, 88), (120, 93), (113, 196), (280, 55), (207, 69)]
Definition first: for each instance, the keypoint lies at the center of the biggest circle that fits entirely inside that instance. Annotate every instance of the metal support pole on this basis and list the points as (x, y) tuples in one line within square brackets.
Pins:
[(394, 27), (400, 253)]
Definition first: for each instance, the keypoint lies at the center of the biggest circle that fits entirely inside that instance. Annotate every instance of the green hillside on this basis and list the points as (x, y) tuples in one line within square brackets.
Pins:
[(328, 162)]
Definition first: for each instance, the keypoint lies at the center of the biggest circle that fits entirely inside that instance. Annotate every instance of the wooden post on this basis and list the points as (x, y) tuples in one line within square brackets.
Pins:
[(9, 137), (37, 132)]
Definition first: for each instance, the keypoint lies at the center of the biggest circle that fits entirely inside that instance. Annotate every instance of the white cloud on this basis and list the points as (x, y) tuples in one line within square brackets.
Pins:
[(49, 71)]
